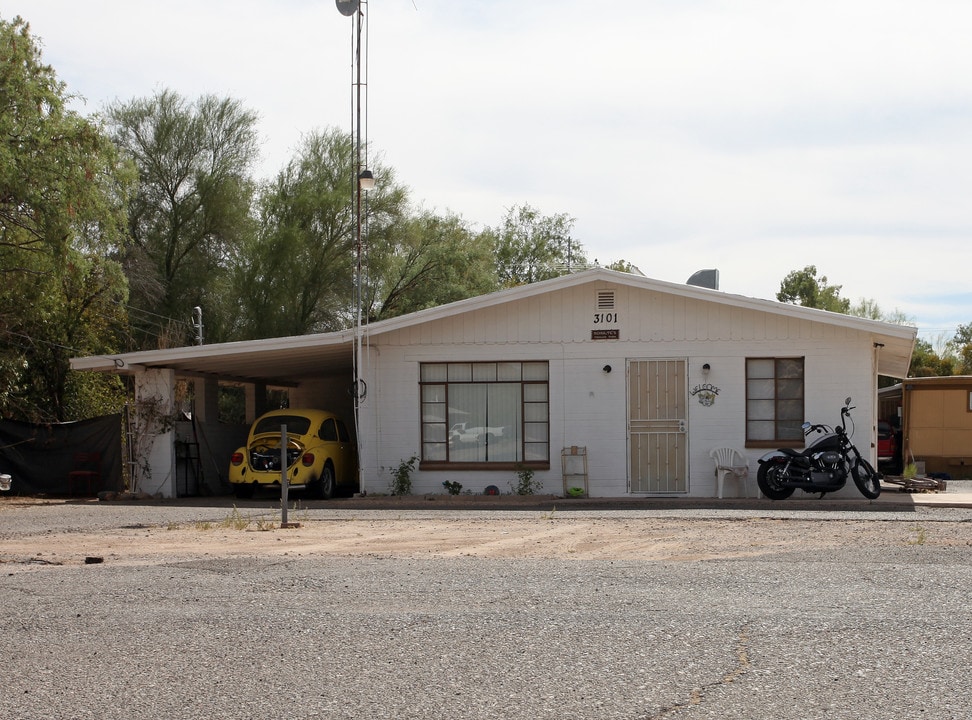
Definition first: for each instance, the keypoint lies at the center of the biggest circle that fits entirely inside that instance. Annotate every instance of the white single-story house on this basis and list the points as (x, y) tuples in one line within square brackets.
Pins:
[(645, 376)]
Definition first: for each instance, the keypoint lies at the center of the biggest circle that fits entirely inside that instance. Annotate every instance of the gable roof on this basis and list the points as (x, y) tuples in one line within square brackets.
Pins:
[(284, 361)]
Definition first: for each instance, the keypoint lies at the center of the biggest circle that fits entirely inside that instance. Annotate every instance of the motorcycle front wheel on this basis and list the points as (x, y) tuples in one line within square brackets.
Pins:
[(867, 481), (770, 482)]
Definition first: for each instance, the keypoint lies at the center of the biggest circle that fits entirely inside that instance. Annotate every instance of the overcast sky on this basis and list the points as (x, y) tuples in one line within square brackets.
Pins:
[(755, 137)]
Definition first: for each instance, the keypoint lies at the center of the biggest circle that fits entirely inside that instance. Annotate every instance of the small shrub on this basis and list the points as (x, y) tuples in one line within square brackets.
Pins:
[(235, 521), (453, 487), (526, 485), (265, 524), (921, 535), (402, 476), (575, 492)]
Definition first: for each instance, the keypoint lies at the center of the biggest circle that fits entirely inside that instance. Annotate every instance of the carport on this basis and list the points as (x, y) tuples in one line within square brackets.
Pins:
[(317, 371)]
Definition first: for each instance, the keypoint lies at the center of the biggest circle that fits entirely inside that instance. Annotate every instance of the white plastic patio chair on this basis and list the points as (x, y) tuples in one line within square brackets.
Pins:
[(729, 461)]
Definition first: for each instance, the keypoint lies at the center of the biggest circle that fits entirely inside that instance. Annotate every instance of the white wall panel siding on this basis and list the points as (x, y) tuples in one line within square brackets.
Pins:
[(588, 406)]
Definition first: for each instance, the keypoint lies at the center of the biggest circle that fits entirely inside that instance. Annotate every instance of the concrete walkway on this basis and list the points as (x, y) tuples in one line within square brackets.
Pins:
[(958, 493)]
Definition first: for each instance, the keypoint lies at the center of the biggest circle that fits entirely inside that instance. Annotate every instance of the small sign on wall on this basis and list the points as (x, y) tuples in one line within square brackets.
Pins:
[(606, 334), (706, 394)]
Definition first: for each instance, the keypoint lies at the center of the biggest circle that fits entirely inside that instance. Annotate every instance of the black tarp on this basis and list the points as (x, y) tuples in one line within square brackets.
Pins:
[(39, 457)]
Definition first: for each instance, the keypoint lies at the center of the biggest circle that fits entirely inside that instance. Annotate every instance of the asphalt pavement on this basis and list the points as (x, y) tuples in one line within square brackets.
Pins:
[(852, 632)]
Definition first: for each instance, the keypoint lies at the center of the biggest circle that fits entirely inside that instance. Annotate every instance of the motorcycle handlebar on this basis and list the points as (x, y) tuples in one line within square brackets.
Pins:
[(821, 428), (817, 428)]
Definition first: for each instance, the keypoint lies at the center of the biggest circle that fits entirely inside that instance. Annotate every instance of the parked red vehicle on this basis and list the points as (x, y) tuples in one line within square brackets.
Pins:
[(887, 443)]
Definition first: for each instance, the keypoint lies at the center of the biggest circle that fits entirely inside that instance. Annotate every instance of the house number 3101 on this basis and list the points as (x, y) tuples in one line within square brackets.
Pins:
[(604, 318)]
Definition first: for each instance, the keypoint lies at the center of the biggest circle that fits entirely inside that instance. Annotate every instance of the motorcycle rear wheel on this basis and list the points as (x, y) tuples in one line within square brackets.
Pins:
[(866, 479), (771, 484)]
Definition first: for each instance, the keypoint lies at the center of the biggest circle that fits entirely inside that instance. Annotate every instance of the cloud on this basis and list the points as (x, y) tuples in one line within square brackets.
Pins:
[(752, 136)]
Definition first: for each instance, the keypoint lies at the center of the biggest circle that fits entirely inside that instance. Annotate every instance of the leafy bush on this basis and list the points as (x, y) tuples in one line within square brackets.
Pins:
[(402, 477), (452, 486), (526, 485)]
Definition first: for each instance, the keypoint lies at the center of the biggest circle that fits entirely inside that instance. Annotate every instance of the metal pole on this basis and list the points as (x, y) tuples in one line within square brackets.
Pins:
[(284, 484), (359, 149), (356, 8), (198, 324)]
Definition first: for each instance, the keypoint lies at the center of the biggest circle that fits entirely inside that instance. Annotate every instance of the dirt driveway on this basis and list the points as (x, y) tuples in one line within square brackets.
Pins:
[(147, 538)]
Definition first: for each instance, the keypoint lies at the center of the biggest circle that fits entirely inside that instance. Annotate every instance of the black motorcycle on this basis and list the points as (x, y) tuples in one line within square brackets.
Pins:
[(822, 467)]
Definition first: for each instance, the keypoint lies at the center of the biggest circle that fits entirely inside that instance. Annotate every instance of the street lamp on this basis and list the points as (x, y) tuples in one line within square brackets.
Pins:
[(366, 181)]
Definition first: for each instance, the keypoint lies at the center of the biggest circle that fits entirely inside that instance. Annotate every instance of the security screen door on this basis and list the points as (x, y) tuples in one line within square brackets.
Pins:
[(657, 409)]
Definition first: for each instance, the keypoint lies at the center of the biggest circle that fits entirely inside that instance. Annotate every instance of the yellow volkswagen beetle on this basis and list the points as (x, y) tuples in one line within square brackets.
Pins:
[(320, 454)]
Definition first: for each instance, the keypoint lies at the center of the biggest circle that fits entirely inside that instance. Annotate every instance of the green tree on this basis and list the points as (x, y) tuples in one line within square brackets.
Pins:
[(428, 260), (898, 318), (296, 270), (866, 308), (624, 266), (531, 247), (75, 309), (58, 171), (297, 274), (962, 344), (926, 362), (802, 287), (62, 198), (191, 209), (963, 334)]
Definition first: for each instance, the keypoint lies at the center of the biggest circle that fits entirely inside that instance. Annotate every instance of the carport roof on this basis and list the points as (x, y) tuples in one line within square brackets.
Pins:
[(274, 361), (286, 361)]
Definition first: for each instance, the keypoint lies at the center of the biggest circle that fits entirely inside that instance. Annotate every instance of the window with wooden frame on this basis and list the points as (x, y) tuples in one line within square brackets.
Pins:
[(489, 415), (774, 402)]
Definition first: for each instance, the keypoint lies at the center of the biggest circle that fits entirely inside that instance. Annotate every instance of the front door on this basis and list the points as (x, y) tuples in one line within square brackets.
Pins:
[(657, 409)]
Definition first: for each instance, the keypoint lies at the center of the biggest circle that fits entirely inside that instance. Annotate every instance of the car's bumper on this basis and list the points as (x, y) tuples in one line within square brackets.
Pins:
[(296, 477)]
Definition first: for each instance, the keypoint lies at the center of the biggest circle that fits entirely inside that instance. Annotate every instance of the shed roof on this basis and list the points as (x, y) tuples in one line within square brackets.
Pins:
[(931, 382), (287, 360)]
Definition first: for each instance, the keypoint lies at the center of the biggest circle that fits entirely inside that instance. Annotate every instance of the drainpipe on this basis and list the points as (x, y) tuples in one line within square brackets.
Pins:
[(874, 403)]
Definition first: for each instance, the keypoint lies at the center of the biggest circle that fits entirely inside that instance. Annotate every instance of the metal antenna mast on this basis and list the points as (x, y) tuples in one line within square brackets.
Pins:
[(362, 182)]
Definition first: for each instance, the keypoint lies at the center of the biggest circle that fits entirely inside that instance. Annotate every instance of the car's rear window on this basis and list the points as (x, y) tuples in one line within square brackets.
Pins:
[(295, 424)]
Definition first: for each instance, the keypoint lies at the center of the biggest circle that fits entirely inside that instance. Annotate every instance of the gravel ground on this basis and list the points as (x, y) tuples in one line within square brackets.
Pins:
[(750, 611)]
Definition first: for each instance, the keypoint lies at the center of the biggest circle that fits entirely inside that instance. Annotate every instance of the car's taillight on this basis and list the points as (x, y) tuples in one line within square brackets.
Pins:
[(308, 459), (237, 458)]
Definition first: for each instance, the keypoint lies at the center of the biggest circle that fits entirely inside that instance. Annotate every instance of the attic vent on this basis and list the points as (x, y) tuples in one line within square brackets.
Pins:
[(605, 299)]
